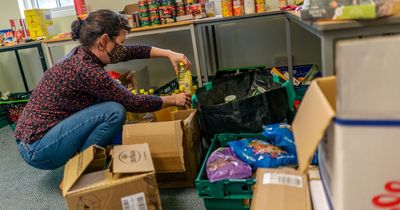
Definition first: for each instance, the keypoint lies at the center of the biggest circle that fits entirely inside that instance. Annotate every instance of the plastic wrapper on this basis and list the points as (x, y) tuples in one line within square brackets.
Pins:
[(281, 135), (223, 164), (262, 154)]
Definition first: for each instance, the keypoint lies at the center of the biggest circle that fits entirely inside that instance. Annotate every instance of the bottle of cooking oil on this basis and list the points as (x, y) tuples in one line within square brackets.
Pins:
[(185, 78), (151, 91)]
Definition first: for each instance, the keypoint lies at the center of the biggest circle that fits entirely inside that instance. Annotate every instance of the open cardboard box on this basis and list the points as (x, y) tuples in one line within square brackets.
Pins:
[(175, 145), (129, 182), (357, 157), (288, 188)]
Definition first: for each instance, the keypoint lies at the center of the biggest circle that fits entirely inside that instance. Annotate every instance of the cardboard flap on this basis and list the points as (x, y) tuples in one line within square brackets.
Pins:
[(185, 115), (133, 158), (76, 166), (313, 117), (164, 138)]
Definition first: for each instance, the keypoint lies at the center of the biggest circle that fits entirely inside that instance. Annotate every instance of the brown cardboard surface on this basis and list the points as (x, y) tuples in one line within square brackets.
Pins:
[(313, 117), (78, 164), (165, 142), (289, 192), (133, 158), (110, 192), (88, 184), (131, 8), (193, 152)]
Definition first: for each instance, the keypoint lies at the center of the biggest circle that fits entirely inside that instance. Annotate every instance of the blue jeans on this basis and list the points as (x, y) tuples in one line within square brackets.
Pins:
[(96, 124)]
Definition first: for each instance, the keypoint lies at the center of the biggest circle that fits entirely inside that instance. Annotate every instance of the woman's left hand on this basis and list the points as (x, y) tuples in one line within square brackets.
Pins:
[(175, 58)]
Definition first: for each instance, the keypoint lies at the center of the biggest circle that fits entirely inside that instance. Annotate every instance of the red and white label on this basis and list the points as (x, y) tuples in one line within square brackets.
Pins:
[(389, 199)]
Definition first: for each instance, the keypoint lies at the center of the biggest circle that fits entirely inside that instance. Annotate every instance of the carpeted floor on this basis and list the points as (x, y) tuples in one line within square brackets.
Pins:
[(25, 188)]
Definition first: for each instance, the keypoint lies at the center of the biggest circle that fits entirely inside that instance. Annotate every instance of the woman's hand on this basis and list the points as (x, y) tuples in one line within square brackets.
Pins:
[(175, 58), (181, 99)]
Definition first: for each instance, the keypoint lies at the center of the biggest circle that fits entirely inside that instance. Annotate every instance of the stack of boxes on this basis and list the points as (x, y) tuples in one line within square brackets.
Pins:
[(40, 23)]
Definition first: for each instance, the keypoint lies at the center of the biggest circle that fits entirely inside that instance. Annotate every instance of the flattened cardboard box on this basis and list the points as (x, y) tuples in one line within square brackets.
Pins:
[(281, 189), (175, 144), (88, 184)]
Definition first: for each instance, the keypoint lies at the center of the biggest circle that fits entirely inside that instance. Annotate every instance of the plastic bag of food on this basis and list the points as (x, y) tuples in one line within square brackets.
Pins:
[(281, 135), (261, 154), (223, 164)]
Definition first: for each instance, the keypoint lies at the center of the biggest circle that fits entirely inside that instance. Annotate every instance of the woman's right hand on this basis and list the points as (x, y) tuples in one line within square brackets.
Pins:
[(181, 99)]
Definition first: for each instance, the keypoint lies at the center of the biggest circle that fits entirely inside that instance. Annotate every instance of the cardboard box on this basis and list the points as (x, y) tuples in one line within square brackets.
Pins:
[(281, 189), (131, 8), (175, 145), (338, 10), (39, 23), (89, 184), (357, 157), (367, 78)]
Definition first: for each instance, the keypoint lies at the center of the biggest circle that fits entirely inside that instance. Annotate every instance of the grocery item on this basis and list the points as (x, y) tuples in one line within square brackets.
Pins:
[(238, 8), (223, 164), (210, 9), (180, 9), (198, 11), (227, 8), (185, 78), (260, 7), (262, 154), (80, 8), (281, 135), (282, 3), (249, 7)]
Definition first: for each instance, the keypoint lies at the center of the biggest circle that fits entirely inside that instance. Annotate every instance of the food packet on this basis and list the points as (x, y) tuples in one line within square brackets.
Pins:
[(262, 154), (223, 164)]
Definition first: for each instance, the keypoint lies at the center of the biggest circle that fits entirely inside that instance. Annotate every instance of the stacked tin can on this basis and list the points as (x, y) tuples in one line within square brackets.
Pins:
[(167, 9), (180, 8), (144, 13), (260, 6), (154, 14)]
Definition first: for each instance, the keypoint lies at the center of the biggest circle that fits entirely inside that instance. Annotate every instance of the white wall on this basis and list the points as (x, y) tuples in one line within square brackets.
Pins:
[(115, 5)]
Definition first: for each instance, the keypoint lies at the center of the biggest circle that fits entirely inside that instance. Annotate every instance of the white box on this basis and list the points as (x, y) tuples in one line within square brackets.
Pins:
[(368, 78), (358, 158), (357, 162)]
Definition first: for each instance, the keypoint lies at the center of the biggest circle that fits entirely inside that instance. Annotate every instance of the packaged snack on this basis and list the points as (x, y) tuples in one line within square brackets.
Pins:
[(223, 164), (281, 135), (261, 154)]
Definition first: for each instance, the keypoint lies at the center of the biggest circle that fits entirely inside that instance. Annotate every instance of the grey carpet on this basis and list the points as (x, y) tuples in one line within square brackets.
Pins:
[(23, 187)]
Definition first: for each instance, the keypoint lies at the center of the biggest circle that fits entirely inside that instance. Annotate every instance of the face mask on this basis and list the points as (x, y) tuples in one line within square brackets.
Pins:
[(118, 54)]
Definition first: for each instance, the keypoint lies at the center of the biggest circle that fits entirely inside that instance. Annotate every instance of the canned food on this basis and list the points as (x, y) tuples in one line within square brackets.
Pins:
[(154, 13), (238, 7), (189, 9), (260, 8), (143, 14), (156, 21), (145, 21), (227, 8), (143, 5), (180, 9)]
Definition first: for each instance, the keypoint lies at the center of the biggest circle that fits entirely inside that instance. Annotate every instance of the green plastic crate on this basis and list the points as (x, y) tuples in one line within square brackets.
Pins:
[(230, 193), (300, 91), (227, 204)]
